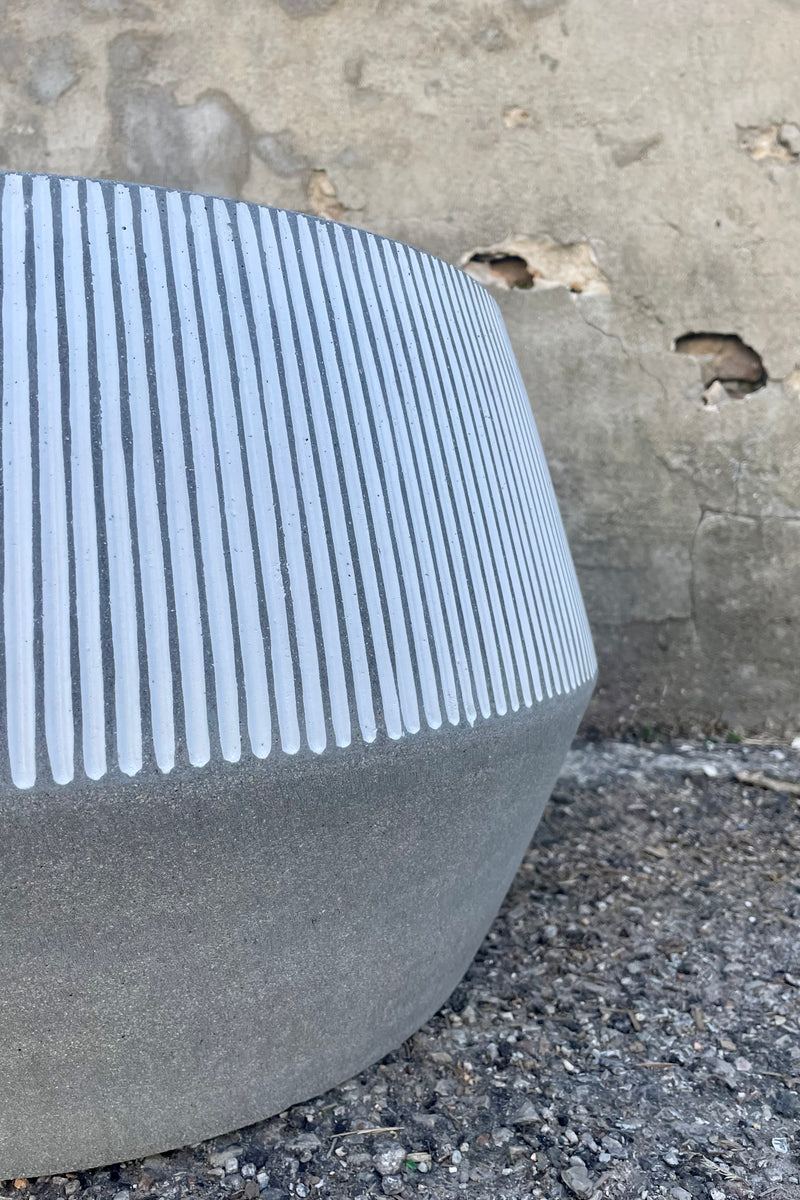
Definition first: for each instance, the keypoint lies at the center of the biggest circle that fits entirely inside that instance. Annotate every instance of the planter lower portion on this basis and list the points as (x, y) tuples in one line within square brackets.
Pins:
[(187, 954)]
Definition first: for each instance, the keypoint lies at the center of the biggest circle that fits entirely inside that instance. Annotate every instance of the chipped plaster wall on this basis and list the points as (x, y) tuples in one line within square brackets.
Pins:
[(663, 135)]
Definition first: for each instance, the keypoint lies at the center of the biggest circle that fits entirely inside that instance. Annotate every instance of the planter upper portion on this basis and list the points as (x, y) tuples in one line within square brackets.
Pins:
[(268, 483)]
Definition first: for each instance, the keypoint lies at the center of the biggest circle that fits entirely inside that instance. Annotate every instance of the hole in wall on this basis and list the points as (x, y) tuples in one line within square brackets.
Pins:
[(728, 366), (509, 269), (536, 262), (765, 143)]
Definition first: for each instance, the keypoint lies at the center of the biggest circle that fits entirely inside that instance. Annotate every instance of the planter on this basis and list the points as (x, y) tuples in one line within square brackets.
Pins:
[(292, 650)]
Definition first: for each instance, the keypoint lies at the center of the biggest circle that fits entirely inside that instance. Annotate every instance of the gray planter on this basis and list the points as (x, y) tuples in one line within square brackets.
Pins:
[(292, 649)]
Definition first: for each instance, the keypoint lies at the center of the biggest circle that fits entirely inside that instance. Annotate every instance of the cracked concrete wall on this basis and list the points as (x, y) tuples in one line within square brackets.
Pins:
[(666, 137)]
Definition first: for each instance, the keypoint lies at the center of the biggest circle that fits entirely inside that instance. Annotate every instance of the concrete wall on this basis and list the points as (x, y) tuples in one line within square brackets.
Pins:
[(657, 140)]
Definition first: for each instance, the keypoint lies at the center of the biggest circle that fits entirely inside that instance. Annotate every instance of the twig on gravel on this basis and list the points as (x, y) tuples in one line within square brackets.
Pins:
[(374, 1129), (759, 779)]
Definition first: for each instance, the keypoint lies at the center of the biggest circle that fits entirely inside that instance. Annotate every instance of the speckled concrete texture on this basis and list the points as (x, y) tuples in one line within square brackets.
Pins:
[(195, 952), (663, 140)]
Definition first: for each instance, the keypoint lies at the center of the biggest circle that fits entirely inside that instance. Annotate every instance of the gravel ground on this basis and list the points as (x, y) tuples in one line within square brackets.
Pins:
[(630, 1027)]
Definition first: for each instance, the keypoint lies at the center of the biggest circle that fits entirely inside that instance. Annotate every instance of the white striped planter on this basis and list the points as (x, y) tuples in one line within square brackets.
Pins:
[(272, 496)]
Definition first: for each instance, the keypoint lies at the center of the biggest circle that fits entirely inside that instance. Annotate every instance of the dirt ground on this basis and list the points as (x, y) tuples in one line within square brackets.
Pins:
[(630, 1027)]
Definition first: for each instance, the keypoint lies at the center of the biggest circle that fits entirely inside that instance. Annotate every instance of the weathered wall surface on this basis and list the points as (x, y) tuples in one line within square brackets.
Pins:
[(663, 137)]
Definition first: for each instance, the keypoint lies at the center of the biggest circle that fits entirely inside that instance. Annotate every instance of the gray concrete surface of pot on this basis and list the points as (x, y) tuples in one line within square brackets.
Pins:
[(292, 651)]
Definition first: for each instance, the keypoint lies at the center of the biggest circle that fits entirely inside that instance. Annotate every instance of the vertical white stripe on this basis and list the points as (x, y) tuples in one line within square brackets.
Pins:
[(360, 537), (540, 529), (215, 576), (443, 394), (148, 524), (58, 718), (286, 518), (396, 505), (84, 516), (310, 485), (424, 431), (562, 580), (538, 536), (17, 495), (261, 487), (349, 337), (559, 577), (124, 632), (319, 399), (179, 515), (489, 443), (433, 576), (236, 505), (437, 569), (288, 499), (566, 582), (309, 482), (448, 474), (489, 488)]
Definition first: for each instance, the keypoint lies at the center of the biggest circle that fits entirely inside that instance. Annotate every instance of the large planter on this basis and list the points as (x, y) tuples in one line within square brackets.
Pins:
[(292, 649)]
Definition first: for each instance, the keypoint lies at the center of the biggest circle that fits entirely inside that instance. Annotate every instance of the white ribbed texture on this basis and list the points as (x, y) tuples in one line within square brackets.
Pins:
[(268, 483)]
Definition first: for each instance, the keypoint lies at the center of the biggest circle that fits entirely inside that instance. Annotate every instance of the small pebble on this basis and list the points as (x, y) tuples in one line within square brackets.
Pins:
[(727, 1072), (787, 1104), (221, 1156), (390, 1159), (391, 1185), (526, 1114), (576, 1178), (304, 1145), (155, 1164), (614, 1147)]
